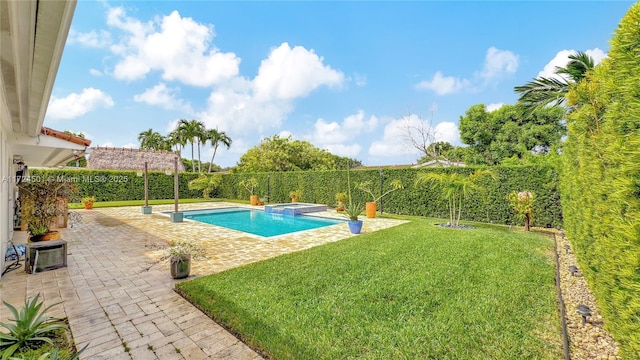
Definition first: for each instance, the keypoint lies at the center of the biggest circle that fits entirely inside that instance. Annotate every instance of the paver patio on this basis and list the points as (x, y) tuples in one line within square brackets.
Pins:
[(118, 297)]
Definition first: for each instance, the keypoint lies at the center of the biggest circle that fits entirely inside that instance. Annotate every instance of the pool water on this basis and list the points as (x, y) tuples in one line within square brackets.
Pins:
[(258, 222)]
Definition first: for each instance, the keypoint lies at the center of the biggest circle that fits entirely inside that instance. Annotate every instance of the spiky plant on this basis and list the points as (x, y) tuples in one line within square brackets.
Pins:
[(31, 325)]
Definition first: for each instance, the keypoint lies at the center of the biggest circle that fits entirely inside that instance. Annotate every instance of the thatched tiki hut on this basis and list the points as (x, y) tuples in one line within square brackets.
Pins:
[(105, 158)]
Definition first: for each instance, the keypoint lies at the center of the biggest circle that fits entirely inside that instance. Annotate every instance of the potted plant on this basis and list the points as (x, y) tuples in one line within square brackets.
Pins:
[(352, 211), (367, 187), (341, 199), (41, 206), (250, 185), (88, 202), (180, 255), (295, 195)]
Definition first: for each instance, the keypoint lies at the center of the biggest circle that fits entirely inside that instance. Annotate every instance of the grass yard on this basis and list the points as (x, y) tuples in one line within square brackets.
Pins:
[(101, 204), (415, 291)]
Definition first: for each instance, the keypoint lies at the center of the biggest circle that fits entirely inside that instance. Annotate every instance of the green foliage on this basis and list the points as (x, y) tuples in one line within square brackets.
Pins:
[(508, 132), (285, 154), (112, 185), (183, 250), (542, 92), (455, 188), (414, 291), (295, 194), (88, 199), (522, 203), (491, 205), (342, 197), (367, 187), (42, 201), (205, 183), (600, 185), (249, 184), (352, 210), (31, 325)]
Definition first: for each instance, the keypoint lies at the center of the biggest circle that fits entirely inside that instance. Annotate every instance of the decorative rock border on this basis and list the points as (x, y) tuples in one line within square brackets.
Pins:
[(589, 341)]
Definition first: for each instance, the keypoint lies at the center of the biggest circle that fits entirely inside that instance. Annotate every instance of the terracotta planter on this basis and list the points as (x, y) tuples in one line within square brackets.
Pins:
[(180, 269), (371, 208), (51, 235), (254, 200), (294, 200), (88, 205)]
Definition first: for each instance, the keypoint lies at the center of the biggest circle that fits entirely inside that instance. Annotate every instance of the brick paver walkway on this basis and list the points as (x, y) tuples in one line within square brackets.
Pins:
[(119, 298)]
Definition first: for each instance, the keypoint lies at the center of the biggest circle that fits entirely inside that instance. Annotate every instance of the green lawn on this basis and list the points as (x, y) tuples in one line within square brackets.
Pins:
[(415, 291), (100, 204)]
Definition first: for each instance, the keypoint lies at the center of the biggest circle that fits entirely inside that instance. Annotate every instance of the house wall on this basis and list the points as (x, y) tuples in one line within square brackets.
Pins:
[(6, 195)]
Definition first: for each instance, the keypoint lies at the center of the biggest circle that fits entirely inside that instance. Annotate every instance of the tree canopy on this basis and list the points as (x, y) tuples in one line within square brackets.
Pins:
[(509, 132), (286, 154)]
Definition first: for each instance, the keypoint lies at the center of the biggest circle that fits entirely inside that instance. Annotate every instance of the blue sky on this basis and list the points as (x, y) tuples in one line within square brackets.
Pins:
[(346, 76)]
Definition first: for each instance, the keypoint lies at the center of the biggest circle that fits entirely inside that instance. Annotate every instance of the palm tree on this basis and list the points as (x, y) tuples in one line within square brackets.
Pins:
[(152, 140), (455, 188), (216, 138), (190, 131), (552, 91)]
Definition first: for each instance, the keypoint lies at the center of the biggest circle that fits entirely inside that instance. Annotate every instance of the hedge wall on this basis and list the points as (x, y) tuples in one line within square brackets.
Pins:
[(321, 186), (111, 185), (601, 183)]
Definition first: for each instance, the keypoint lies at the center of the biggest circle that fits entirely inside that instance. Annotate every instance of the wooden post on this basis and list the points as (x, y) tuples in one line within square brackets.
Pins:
[(175, 183), (146, 185)]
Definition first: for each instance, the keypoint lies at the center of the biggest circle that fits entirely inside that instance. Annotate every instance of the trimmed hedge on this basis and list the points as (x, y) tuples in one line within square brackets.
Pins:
[(601, 183), (320, 187), (113, 185)]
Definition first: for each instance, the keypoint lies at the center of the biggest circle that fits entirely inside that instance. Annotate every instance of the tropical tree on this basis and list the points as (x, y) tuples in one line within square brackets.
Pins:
[(206, 183), (152, 140), (455, 188), (190, 130), (285, 154), (494, 136), (543, 91), (217, 138)]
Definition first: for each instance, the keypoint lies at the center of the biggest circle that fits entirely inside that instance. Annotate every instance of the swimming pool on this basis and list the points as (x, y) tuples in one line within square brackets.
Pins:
[(258, 222)]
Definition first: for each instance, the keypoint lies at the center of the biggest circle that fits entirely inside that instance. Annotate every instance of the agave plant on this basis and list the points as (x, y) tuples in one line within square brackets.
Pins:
[(30, 325)]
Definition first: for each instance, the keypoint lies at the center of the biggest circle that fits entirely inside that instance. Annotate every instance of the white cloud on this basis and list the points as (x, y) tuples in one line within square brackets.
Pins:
[(75, 105), (498, 62), (597, 55), (561, 59), (91, 39), (334, 136), (178, 47), (443, 85), (243, 106), (448, 132), (344, 150), (289, 73), (494, 106), (360, 80), (285, 134), (95, 72), (164, 97), (393, 142)]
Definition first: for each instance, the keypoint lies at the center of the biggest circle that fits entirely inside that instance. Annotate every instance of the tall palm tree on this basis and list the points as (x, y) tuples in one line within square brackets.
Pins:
[(191, 130), (552, 91), (216, 138), (152, 140)]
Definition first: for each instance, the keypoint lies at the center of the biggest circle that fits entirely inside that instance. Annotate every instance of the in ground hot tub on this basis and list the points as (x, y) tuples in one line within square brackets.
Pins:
[(294, 208)]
